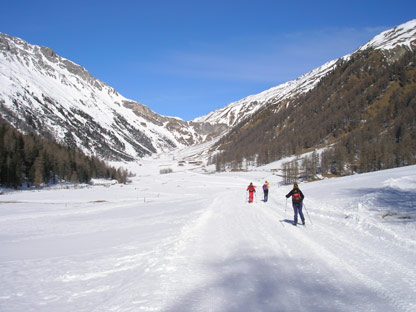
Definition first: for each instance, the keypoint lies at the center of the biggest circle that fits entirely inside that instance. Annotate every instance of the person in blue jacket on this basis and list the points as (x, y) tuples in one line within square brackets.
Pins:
[(297, 203)]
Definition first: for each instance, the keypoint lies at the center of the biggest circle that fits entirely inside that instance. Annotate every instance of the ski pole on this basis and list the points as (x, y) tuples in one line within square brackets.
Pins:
[(285, 208), (307, 213)]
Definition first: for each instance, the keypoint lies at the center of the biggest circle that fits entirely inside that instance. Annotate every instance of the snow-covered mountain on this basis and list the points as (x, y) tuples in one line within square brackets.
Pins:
[(42, 91), (402, 35), (235, 112)]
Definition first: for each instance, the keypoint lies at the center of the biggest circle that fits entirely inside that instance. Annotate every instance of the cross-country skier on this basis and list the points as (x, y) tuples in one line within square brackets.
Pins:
[(297, 200), (266, 187), (251, 190)]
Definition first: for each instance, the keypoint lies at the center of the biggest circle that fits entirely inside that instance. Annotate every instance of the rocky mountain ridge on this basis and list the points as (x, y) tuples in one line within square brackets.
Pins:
[(52, 96)]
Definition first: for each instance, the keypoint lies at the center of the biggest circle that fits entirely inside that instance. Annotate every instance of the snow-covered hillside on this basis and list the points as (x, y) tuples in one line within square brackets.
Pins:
[(404, 34), (42, 91), (233, 113), (237, 111), (189, 241)]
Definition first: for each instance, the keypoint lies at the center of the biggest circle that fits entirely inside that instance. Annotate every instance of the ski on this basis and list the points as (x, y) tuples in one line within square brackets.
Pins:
[(299, 225)]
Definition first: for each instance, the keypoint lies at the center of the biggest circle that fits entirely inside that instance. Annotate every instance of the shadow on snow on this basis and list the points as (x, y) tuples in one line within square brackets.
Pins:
[(389, 201), (250, 283)]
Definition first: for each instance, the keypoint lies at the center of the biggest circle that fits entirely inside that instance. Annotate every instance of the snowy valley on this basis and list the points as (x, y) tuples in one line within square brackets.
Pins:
[(189, 241)]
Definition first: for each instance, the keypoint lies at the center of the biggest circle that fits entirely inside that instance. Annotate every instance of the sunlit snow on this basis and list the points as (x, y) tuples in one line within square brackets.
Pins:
[(189, 241)]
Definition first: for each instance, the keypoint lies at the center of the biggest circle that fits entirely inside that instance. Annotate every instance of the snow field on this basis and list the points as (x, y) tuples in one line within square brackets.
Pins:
[(189, 241)]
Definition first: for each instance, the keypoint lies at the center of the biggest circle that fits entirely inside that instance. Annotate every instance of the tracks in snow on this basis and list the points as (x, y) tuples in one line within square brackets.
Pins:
[(265, 261)]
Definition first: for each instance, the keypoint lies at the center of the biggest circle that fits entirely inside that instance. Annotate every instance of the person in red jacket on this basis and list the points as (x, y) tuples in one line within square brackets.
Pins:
[(297, 203), (251, 190)]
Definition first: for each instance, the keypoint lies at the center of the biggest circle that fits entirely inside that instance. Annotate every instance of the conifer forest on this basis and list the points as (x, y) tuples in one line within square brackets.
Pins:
[(28, 160)]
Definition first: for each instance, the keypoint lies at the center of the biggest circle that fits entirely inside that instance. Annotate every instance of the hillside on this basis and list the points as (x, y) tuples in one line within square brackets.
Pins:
[(236, 112), (44, 93), (344, 101), (364, 109)]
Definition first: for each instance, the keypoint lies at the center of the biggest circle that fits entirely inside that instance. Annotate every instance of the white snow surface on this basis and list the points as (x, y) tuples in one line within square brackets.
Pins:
[(189, 241), (404, 34)]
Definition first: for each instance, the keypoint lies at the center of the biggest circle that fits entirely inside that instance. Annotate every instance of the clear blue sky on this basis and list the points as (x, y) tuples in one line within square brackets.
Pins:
[(187, 58)]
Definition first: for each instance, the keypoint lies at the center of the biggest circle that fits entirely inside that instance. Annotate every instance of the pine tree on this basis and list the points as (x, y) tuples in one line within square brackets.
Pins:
[(38, 171)]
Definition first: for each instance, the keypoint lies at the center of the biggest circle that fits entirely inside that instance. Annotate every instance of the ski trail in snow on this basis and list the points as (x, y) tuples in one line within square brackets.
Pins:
[(347, 253), (349, 248), (244, 247)]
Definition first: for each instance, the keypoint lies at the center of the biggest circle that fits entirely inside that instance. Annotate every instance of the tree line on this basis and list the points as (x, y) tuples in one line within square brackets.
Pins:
[(29, 160), (363, 113)]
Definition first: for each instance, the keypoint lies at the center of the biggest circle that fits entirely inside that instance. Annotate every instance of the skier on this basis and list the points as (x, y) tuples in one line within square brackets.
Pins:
[(251, 190), (297, 200), (266, 187)]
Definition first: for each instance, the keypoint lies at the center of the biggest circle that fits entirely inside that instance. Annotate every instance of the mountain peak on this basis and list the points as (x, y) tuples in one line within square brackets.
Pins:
[(45, 93), (402, 35)]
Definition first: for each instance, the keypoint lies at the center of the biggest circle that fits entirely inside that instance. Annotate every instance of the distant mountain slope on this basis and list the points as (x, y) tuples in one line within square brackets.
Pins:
[(364, 107), (402, 35), (237, 111), (43, 92)]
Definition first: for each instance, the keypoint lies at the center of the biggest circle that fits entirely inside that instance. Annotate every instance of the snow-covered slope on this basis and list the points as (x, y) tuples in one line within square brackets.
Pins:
[(403, 35), (42, 91), (189, 242), (237, 111)]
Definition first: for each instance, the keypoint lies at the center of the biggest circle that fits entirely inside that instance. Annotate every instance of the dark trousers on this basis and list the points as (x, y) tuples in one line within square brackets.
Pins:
[(297, 208), (266, 195)]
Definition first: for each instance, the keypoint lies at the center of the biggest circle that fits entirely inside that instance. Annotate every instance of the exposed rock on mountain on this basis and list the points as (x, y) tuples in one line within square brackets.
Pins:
[(52, 96), (43, 92)]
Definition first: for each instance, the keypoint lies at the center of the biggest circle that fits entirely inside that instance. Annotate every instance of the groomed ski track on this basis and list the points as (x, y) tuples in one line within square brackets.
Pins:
[(189, 241), (249, 257)]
